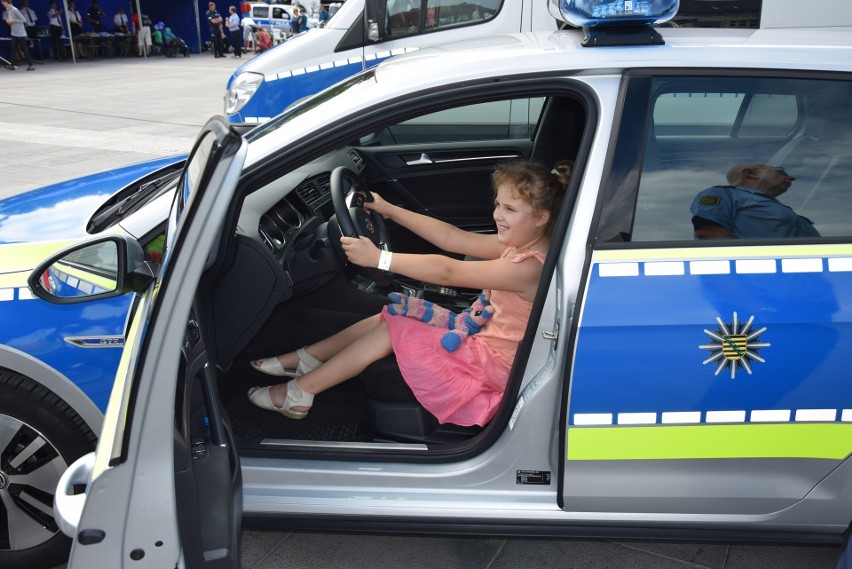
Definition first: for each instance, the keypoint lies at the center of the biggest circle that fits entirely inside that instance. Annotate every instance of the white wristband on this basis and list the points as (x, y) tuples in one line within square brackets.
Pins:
[(385, 260)]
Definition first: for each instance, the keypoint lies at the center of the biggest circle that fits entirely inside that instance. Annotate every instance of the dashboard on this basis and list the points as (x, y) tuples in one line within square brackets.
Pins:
[(290, 216)]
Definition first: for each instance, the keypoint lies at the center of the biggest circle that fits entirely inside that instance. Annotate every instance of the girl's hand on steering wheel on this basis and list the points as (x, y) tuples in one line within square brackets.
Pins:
[(379, 205), (361, 251)]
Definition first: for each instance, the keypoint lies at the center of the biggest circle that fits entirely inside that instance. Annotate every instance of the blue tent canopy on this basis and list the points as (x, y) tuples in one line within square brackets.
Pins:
[(184, 17)]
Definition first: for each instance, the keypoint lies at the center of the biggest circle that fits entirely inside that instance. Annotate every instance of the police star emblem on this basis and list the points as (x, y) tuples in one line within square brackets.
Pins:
[(734, 345)]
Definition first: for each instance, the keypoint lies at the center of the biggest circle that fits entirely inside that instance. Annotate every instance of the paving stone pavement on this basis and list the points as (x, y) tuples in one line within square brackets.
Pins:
[(66, 120)]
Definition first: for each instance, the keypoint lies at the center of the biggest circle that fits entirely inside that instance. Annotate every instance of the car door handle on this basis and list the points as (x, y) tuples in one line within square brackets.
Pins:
[(424, 159)]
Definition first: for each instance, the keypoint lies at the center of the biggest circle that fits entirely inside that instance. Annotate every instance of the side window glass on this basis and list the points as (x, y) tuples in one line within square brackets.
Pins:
[(745, 158), (403, 18), (261, 12), (450, 13), (154, 248), (495, 120), (280, 14)]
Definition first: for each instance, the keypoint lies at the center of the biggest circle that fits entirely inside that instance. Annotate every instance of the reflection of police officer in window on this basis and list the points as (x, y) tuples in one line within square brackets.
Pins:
[(748, 207)]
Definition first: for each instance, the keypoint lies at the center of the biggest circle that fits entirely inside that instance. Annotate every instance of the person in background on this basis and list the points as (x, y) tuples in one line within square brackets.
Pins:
[(157, 34), (214, 19), (19, 46), (264, 40), (294, 22), (142, 29), (94, 15), (30, 19), (323, 14), (302, 19), (75, 21), (120, 22), (248, 34), (236, 34), (54, 18)]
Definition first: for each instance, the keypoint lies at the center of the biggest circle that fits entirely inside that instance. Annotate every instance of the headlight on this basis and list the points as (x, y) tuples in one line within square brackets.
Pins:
[(241, 91)]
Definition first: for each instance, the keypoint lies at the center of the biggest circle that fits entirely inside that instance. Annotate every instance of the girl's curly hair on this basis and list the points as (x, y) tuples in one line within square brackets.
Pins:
[(543, 189)]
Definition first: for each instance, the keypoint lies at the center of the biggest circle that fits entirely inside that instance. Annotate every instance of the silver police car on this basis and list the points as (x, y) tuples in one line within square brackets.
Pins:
[(680, 376)]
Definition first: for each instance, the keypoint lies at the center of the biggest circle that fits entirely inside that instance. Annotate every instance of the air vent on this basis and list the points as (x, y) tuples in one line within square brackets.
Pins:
[(277, 222), (357, 160), (310, 192), (271, 232)]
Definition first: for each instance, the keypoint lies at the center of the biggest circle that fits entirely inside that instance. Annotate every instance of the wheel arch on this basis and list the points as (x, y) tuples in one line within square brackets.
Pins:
[(41, 373)]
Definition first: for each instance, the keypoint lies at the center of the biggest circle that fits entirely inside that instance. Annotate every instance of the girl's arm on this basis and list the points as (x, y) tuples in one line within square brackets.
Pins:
[(443, 235), (496, 274)]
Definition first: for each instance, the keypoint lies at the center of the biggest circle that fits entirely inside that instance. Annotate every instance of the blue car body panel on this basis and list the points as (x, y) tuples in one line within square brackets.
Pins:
[(279, 91), (80, 342), (790, 306), (61, 211)]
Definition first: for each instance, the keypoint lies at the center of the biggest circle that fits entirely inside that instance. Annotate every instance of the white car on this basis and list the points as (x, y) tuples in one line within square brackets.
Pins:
[(666, 386)]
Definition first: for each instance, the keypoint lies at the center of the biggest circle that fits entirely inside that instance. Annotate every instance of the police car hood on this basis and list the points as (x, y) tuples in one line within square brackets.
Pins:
[(275, 60), (61, 211)]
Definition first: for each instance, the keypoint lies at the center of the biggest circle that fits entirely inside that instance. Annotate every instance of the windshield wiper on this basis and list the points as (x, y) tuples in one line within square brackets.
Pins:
[(117, 210)]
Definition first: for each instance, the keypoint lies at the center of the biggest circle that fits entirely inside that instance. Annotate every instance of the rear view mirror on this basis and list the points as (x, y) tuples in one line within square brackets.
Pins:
[(91, 270)]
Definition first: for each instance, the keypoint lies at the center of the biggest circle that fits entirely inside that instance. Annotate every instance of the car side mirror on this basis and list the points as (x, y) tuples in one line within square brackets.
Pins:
[(374, 15), (102, 268)]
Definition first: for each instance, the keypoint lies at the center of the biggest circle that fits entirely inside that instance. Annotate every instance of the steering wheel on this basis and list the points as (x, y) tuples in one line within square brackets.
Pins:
[(355, 221)]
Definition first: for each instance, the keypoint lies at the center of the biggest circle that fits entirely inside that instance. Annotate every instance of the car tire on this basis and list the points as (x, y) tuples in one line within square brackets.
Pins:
[(40, 435)]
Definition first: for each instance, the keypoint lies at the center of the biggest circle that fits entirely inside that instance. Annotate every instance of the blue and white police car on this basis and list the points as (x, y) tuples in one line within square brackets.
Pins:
[(666, 386)]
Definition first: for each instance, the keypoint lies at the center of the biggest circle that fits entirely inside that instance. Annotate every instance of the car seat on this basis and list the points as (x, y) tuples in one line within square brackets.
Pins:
[(394, 413)]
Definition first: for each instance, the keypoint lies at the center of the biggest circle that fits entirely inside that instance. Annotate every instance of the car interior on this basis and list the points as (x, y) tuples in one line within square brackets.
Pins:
[(285, 283)]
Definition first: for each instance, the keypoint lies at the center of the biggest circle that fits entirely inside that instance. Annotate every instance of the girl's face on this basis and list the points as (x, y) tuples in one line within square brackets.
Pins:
[(517, 223)]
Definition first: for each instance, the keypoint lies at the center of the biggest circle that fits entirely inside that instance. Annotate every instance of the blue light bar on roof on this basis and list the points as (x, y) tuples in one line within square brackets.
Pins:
[(594, 13)]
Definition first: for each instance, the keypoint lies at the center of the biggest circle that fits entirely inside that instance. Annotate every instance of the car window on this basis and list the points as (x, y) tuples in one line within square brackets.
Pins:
[(260, 12), (494, 120), (154, 248), (761, 158), (408, 17), (450, 13), (280, 14)]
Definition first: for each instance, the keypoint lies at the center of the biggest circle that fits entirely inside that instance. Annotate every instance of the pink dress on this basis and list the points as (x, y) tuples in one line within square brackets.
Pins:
[(464, 387)]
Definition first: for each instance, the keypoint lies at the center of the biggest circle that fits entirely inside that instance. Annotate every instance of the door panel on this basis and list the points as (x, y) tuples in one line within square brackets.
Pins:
[(710, 377), (440, 163), (449, 181), (728, 402), (132, 477)]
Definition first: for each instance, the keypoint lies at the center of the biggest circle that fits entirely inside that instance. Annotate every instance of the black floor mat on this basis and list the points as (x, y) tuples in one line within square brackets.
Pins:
[(338, 414)]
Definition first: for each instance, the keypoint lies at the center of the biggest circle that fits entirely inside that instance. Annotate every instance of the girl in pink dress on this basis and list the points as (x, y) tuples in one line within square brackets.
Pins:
[(465, 386)]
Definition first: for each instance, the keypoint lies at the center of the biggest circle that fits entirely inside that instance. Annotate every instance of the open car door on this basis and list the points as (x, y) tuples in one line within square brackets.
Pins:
[(163, 488)]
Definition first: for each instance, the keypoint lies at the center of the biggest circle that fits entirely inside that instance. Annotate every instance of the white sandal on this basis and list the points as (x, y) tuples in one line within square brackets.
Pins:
[(271, 366), (259, 396)]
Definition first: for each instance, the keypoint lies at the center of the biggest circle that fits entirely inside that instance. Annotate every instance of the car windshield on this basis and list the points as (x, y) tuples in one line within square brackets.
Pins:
[(311, 103)]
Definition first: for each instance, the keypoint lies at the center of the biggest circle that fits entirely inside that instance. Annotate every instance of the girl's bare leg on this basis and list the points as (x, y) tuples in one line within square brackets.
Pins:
[(325, 349), (345, 364)]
